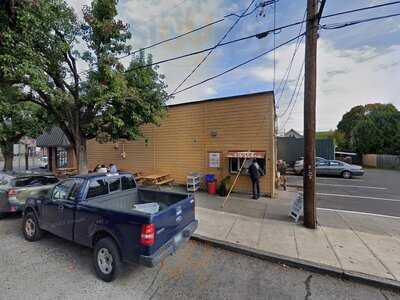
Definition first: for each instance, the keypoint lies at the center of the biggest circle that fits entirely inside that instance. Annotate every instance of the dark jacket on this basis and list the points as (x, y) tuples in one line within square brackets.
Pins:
[(254, 171)]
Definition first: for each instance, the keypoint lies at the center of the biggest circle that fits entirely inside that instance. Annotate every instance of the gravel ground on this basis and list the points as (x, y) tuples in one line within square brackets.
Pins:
[(56, 269)]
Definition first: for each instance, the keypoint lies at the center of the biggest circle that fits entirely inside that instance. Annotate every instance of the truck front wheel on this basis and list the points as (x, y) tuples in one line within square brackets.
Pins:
[(107, 261), (30, 227)]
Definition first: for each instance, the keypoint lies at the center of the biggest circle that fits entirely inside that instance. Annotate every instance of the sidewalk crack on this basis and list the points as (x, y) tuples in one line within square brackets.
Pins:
[(295, 242), (230, 230), (331, 246), (366, 245)]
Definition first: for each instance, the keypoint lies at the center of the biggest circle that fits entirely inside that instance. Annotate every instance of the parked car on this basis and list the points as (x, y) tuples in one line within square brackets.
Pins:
[(44, 162), (107, 212), (298, 165), (333, 168), (15, 188)]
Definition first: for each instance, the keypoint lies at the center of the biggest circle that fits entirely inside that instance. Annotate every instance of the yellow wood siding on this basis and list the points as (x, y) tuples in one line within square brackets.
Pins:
[(182, 143)]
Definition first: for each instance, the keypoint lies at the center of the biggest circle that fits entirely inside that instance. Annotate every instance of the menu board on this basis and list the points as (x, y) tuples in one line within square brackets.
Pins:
[(214, 159)]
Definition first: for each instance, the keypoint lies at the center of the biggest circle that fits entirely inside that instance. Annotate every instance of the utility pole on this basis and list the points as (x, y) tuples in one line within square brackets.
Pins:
[(310, 89)]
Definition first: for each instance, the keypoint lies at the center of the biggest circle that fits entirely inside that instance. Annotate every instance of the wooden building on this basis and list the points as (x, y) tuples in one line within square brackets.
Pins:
[(209, 137)]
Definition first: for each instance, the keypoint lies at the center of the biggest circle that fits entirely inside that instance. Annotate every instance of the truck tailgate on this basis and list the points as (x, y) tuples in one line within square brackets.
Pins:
[(170, 222)]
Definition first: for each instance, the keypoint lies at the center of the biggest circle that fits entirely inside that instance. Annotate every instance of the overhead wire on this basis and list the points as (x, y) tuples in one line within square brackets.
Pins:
[(294, 91), (294, 104), (351, 23), (285, 78), (258, 35), (235, 67), (212, 50)]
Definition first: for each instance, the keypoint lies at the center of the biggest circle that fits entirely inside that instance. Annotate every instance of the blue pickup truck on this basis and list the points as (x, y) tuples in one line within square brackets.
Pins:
[(109, 213)]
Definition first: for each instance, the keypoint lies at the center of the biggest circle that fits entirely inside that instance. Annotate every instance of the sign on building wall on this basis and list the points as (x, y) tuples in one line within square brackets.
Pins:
[(214, 159)]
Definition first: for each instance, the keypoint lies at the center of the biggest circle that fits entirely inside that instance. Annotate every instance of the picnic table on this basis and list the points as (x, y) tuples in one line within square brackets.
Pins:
[(63, 172), (156, 179)]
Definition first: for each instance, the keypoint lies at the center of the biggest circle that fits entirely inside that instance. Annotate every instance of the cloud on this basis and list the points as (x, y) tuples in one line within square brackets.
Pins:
[(346, 77)]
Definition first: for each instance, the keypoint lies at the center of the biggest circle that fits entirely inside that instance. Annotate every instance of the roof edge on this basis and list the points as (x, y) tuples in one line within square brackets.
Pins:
[(223, 98)]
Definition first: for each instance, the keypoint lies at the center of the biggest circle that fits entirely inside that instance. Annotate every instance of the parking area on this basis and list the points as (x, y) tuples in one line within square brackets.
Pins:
[(377, 192), (53, 268)]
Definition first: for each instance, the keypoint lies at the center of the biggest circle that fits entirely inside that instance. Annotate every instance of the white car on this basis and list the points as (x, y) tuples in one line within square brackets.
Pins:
[(44, 162)]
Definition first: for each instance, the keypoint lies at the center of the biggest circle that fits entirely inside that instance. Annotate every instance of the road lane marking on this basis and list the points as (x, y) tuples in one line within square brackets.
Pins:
[(353, 186), (331, 178), (357, 212), (358, 197)]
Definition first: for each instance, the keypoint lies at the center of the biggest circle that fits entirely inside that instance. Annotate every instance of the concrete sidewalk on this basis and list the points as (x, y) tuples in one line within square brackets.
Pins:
[(359, 246)]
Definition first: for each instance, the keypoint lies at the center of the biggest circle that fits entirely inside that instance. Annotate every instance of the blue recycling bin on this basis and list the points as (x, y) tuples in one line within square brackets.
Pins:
[(210, 178)]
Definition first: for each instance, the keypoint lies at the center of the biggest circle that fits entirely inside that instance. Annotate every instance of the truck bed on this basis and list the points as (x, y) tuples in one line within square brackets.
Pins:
[(125, 201)]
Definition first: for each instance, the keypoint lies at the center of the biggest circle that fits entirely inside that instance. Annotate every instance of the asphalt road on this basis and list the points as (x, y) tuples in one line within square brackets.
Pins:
[(377, 192), (55, 269)]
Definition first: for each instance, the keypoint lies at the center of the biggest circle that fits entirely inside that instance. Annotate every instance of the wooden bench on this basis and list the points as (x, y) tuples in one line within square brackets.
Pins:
[(165, 181)]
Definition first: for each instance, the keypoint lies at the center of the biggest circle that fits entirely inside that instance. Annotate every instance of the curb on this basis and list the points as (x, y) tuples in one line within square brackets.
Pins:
[(303, 264)]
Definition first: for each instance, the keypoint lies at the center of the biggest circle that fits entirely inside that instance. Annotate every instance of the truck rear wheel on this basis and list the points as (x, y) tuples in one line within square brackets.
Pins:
[(30, 227), (106, 258)]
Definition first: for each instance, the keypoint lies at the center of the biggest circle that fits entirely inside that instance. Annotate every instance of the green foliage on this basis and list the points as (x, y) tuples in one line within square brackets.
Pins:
[(19, 119), (40, 48), (224, 186), (373, 128)]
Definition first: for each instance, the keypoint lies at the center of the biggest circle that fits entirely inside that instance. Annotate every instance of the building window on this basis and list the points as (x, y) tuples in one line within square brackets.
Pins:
[(235, 163), (62, 158)]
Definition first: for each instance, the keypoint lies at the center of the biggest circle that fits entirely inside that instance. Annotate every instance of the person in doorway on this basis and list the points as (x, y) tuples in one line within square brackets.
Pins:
[(96, 169), (255, 172), (102, 169), (113, 168), (282, 172)]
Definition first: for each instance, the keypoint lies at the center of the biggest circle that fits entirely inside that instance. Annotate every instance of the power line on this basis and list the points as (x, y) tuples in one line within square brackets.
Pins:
[(173, 38), (294, 91), (235, 67), (289, 68), (360, 9), (212, 50), (258, 35), (351, 23), (294, 104)]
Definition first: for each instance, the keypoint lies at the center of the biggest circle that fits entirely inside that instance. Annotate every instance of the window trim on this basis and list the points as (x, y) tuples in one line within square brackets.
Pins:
[(88, 188), (108, 184), (129, 177)]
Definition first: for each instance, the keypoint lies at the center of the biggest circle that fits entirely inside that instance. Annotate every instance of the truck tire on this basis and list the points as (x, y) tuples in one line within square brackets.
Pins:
[(2, 215), (30, 227), (346, 174), (107, 260)]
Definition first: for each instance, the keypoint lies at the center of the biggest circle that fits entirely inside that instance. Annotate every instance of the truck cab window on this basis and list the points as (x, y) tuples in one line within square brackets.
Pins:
[(128, 183), (63, 190), (114, 184), (97, 187)]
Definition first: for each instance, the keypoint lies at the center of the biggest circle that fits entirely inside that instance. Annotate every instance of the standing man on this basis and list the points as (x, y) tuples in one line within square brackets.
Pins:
[(255, 172), (282, 172)]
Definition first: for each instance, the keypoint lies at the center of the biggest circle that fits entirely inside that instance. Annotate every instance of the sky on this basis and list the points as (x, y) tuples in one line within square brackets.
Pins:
[(356, 65)]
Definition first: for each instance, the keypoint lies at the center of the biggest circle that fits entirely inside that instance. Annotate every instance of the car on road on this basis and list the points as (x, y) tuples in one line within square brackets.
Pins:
[(44, 162), (109, 213), (15, 188), (331, 168)]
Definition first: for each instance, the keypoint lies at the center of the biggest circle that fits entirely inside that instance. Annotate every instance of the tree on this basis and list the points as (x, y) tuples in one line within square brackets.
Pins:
[(107, 103), (373, 128), (16, 121)]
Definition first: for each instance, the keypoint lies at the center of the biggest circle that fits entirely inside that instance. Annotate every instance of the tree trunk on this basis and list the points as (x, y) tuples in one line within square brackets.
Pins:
[(7, 150), (81, 153), (26, 157)]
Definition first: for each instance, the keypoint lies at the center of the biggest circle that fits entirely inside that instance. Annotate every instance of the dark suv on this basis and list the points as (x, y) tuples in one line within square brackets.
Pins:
[(15, 188)]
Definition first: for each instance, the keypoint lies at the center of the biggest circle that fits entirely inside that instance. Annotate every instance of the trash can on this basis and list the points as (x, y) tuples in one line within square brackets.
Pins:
[(212, 187), (210, 178)]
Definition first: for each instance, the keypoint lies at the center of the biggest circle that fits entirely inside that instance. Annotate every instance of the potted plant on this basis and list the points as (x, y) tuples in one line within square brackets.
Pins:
[(224, 186)]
